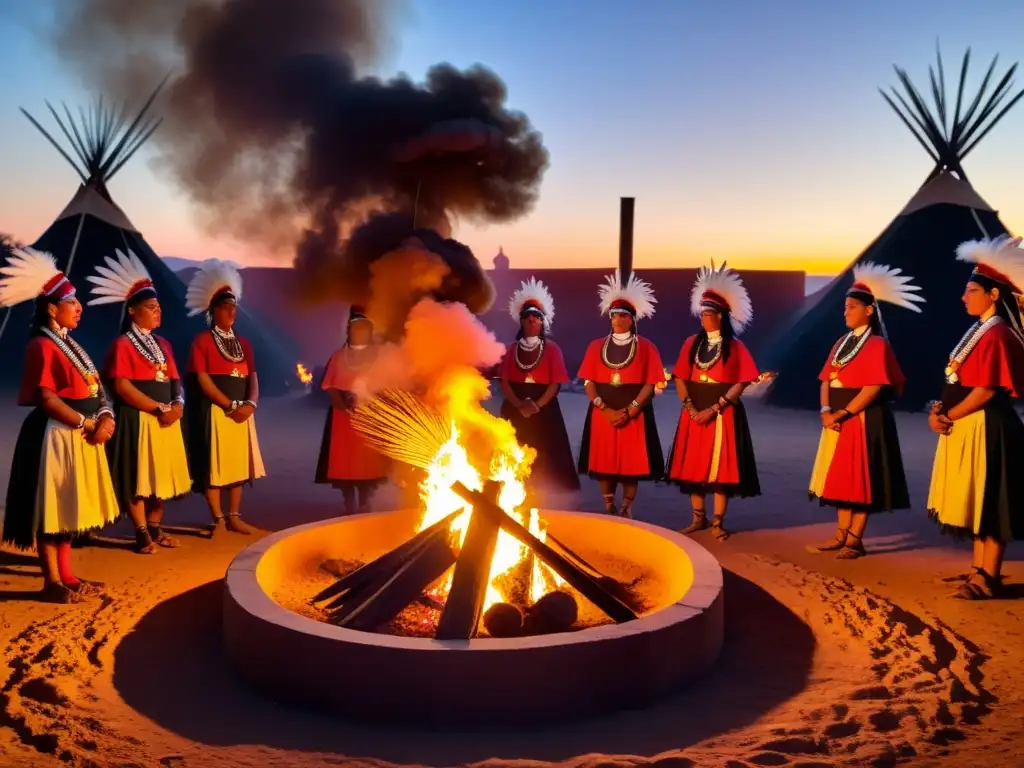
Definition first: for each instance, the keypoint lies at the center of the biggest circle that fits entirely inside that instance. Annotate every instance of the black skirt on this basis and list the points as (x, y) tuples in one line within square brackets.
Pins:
[(197, 423), (703, 397), (123, 447), (21, 521), (619, 397), (1004, 457), (545, 432)]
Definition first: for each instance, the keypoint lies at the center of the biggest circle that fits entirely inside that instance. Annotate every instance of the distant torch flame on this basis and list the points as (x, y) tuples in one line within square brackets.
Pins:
[(303, 373)]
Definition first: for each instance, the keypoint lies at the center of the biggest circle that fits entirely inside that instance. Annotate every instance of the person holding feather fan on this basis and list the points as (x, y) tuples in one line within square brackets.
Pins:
[(620, 444), (531, 374), (859, 467), (60, 484), (976, 487), (223, 394), (147, 454), (713, 451)]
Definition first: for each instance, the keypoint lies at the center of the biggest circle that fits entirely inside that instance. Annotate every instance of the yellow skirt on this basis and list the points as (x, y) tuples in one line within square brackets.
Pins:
[(823, 461), (957, 490), (234, 450), (75, 491), (162, 461)]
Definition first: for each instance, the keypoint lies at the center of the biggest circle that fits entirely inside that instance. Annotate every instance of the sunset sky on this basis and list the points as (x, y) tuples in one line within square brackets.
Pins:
[(747, 130)]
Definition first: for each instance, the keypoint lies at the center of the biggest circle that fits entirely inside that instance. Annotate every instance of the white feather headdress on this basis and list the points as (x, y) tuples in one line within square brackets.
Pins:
[(714, 286), (212, 277), (120, 279), (636, 293), (534, 293), (27, 274), (887, 284), (1000, 258)]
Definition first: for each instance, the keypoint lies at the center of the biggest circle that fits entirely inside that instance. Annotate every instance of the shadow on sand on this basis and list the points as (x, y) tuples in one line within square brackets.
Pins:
[(193, 693)]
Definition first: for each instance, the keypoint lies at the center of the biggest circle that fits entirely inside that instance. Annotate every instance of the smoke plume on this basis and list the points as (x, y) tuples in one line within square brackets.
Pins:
[(279, 138)]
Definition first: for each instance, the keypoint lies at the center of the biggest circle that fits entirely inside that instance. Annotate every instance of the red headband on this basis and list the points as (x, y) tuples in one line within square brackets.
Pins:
[(58, 288), (993, 274), (138, 287), (715, 300), (622, 306)]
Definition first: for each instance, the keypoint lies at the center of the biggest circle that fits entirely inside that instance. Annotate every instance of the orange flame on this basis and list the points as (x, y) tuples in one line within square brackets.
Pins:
[(303, 373), (510, 465)]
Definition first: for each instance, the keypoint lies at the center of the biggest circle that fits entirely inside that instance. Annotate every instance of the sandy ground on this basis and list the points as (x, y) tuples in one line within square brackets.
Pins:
[(825, 662)]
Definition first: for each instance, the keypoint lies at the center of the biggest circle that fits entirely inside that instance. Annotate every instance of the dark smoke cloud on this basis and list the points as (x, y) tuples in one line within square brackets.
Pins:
[(278, 138)]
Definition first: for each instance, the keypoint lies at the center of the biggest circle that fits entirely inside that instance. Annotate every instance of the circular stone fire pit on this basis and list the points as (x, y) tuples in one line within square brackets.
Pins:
[(484, 681)]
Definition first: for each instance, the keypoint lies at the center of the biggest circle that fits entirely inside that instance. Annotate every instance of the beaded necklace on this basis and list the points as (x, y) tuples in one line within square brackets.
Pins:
[(529, 366), (966, 346), (714, 358), (78, 357), (838, 363), (616, 367), (228, 345), (150, 349)]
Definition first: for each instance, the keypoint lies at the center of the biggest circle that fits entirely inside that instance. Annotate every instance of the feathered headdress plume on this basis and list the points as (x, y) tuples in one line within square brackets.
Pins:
[(722, 290), (1000, 259), (28, 274), (888, 284), (213, 278), (534, 296), (635, 297), (120, 280)]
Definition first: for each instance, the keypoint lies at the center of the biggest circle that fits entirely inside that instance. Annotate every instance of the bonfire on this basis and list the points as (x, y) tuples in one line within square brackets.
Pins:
[(508, 578)]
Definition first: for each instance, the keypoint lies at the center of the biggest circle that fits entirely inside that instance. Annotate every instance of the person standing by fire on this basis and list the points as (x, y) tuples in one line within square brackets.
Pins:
[(60, 482), (620, 443), (713, 451), (976, 488), (859, 467), (222, 395), (531, 374), (147, 453), (346, 461)]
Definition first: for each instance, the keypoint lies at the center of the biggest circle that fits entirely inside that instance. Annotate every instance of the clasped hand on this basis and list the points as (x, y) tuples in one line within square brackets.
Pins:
[(701, 417), (242, 413), (169, 414), (940, 423), (830, 421), (102, 432), (528, 408)]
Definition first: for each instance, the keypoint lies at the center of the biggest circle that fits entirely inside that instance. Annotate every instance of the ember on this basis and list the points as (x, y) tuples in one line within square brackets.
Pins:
[(303, 373)]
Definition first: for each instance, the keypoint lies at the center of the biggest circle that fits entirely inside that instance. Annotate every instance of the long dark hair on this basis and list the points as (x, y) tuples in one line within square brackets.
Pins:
[(1006, 304), (40, 316), (728, 334)]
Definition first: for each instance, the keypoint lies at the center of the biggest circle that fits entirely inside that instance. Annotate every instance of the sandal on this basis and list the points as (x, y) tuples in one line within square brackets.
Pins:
[(627, 507), (86, 588), (236, 524), (852, 551), (55, 592), (609, 505), (144, 542), (718, 529), (833, 546), (700, 522), (160, 538), (988, 587)]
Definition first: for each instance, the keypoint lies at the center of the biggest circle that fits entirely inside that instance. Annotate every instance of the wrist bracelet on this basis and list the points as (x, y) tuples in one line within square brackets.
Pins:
[(598, 402), (81, 421), (826, 409), (635, 404), (249, 402)]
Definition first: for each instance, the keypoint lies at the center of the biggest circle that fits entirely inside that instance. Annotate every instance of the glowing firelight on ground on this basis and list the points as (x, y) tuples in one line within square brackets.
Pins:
[(303, 373), (452, 464)]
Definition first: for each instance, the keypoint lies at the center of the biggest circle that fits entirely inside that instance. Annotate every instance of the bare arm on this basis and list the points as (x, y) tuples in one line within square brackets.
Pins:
[(130, 394), (549, 394), (976, 399), (254, 388), (211, 392), (506, 390), (591, 390), (824, 394), (60, 411), (864, 398), (736, 391), (681, 390)]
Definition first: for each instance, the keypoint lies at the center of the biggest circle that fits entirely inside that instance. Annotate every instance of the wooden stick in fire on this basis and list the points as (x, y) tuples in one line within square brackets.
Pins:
[(575, 577)]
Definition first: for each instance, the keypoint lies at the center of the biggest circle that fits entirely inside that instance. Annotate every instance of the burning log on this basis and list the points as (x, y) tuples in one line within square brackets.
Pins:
[(615, 587), (503, 620), (465, 603), (555, 612), (385, 565), (585, 584), (402, 587)]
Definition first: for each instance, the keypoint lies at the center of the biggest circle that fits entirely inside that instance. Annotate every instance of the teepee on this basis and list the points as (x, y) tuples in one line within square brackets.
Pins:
[(98, 144), (921, 241)]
